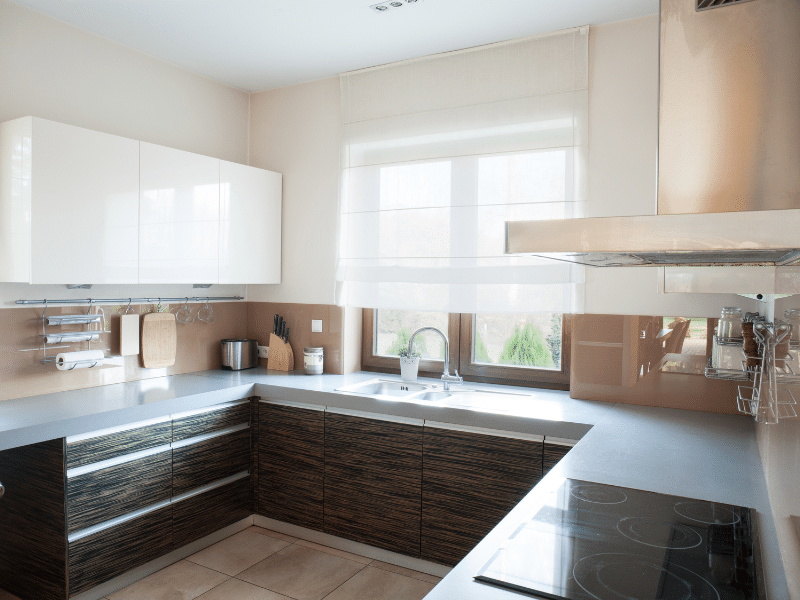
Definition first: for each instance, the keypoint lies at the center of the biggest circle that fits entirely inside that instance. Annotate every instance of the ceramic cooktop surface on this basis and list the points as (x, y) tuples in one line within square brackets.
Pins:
[(601, 542)]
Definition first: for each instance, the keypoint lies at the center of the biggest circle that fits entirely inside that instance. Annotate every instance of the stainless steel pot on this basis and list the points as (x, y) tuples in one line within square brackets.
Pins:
[(239, 354)]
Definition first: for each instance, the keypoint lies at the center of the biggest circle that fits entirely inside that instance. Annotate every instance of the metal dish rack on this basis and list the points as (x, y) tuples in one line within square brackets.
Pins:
[(765, 396)]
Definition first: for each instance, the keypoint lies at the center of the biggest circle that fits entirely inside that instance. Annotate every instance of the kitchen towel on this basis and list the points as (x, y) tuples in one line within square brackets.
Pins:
[(67, 361)]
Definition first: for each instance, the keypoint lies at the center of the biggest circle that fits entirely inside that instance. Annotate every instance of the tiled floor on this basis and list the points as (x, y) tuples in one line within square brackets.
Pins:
[(258, 564)]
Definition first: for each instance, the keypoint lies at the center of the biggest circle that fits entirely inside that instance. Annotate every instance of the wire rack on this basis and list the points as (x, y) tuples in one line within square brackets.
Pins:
[(763, 393)]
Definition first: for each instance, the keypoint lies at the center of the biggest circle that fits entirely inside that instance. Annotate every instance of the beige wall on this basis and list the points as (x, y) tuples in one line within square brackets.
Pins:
[(56, 71), (779, 446), (295, 130)]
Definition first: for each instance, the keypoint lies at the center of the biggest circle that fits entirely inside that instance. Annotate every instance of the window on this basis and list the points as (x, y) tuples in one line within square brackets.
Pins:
[(530, 350)]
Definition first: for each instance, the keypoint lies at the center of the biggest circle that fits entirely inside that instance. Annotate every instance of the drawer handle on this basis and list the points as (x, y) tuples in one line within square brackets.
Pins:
[(2, 489)]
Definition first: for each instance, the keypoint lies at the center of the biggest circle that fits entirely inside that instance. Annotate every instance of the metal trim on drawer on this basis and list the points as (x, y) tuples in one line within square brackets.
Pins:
[(548, 439), (483, 431), (208, 436), (290, 404), (208, 409), (210, 486), (116, 521), (111, 430), (375, 417), (119, 460)]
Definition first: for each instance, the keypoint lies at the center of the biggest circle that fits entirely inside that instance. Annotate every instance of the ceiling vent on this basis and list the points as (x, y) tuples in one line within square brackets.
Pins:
[(388, 5), (708, 4)]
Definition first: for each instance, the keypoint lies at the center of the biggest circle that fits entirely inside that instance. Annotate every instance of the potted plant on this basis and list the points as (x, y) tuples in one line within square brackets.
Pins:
[(409, 365)]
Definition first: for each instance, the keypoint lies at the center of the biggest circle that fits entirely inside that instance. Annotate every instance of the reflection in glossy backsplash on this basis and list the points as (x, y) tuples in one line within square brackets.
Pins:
[(22, 374), (647, 360)]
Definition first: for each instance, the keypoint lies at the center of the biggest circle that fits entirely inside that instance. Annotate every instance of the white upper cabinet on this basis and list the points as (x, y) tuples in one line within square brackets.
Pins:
[(250, 224), (79, 206), (178, 216), (69, 200)]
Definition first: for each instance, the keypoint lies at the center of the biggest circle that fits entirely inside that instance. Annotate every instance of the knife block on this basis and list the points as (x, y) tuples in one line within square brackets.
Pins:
[(281, 357)]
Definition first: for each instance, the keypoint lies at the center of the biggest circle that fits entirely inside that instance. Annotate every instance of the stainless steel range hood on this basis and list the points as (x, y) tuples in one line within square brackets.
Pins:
[(729, 149)]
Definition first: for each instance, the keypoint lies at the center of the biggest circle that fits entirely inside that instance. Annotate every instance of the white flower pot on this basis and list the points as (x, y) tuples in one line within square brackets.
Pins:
[(408, 368)]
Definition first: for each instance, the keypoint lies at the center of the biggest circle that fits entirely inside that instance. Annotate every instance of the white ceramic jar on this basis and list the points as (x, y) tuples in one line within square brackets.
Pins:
[(312, 361)]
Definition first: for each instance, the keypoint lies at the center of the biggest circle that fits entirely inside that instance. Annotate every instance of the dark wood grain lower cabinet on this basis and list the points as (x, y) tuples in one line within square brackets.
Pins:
[(291, 464), (552, 453), (209, 420), (373, 478), (470, 482), (201, 463), (33, 538), (111, 552), (108, 493), (207, 512), (104, 447)]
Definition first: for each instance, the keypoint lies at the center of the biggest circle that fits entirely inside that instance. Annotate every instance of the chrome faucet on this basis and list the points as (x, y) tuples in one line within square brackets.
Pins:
[(447, 379)]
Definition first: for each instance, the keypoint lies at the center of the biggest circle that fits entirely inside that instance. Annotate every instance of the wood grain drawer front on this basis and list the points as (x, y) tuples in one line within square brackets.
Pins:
[(107, 493), (551, 454), (208, 421), (205, 513), (373, 479), (291, 464), (113, 551), (85, 451), (470, 482), (198, 464)]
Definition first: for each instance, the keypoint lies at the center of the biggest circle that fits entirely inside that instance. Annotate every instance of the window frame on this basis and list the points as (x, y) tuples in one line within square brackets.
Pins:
[(460, 346)]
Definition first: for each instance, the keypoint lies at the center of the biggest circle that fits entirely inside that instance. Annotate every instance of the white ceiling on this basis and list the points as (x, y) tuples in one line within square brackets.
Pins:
[(263, 44)]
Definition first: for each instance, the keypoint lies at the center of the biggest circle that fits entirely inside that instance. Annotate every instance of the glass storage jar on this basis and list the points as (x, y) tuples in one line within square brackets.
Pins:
[(730, 323), (793, 317)]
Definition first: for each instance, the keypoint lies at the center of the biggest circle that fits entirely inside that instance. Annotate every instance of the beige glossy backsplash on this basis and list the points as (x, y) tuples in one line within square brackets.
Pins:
[(637, 359), (260, 319), (22, 374)]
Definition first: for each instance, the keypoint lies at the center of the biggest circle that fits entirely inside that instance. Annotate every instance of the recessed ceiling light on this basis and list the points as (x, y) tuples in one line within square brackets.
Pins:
[(391, 4)]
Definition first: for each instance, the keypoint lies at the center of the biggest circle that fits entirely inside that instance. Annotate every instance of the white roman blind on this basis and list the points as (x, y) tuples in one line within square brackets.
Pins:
[(439, 152)]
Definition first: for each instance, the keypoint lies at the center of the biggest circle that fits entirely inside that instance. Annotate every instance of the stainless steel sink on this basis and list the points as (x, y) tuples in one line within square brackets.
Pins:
[(384, 387)]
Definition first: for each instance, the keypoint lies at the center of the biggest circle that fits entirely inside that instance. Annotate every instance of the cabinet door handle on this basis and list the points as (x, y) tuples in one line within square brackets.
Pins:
[(2, 489)]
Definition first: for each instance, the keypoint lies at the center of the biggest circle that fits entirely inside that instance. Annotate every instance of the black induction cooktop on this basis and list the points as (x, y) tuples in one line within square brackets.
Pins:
[(601, 542)]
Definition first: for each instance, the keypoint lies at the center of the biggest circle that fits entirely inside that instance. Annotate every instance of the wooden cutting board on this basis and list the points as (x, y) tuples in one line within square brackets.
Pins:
[(159, 340)]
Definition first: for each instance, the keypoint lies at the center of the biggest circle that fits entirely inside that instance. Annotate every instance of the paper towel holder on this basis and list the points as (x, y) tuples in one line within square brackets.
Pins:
[(86, 319)]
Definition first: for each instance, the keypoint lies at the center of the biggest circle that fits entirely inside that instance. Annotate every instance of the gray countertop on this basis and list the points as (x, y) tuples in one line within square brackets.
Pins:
[(698, 455)]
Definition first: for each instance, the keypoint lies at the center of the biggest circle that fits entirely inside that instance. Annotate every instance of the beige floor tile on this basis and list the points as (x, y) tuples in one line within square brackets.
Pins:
[(377, 584), (403, 571), (301, 573), (182, 581), (238, 552), (275, 534), (233, 589), (340, 553), (4, 595)]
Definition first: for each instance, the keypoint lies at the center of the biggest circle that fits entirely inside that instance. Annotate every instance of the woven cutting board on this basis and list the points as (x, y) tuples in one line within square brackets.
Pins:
[(159, 340)]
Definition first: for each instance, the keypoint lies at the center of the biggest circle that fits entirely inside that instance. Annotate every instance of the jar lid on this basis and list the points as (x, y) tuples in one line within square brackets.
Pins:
[(312, 350)]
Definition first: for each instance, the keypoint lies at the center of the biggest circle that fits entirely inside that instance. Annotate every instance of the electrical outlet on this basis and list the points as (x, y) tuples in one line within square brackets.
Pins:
[(316, 325), (263, 352)]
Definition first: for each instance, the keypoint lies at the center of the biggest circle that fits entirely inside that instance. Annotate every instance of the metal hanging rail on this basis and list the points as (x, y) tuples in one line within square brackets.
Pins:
[(135, 300)]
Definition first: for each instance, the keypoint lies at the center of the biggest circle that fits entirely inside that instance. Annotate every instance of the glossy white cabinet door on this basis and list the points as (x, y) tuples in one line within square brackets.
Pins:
[(178, 216), (250, 224), (84, 205), (15, 200)]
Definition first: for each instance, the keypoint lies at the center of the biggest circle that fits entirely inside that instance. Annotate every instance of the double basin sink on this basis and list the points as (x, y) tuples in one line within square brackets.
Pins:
[(392, 389)]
